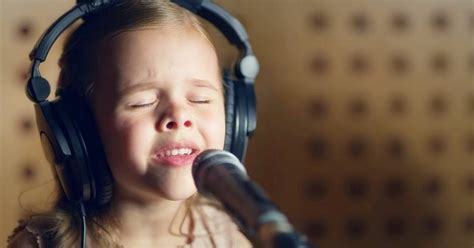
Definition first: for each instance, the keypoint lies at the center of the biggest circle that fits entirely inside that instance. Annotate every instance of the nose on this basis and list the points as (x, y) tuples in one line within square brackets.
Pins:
[(173, 118)]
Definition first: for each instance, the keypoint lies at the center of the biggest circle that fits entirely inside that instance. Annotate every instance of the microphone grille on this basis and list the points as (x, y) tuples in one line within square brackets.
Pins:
[(207, 160)]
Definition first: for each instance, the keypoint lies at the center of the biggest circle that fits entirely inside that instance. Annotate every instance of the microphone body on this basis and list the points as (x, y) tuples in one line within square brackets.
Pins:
[(220, 175)]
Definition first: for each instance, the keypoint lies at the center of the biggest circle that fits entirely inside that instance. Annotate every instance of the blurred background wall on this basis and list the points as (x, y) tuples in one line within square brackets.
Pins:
[(365, 117)]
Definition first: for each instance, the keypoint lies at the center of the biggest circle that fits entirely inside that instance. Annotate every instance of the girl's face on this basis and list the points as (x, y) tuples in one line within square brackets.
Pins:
[(158, 101)]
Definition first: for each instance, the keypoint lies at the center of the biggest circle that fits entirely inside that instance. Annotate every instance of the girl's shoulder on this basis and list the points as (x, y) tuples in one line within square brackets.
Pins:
[(214, 220), (33, 232)]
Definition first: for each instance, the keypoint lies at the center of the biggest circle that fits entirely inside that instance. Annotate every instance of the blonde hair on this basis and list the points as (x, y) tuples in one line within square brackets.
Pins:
[(77, 74), (76, 62)]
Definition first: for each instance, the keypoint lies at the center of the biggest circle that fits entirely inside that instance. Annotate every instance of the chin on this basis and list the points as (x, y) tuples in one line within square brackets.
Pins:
[(179, 194)]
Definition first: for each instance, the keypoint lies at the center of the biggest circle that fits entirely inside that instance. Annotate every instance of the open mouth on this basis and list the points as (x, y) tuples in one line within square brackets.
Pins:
[(176, 156), (176, 152)]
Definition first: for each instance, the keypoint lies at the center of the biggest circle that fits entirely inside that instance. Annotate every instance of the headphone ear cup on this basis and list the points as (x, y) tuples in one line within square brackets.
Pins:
[(72, 145), (236, 118), (94, 161), (97, 162), (80, 177), (61, 147), (229, 113)]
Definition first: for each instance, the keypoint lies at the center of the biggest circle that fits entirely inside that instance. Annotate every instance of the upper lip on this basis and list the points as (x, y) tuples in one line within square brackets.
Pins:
[(176, 145)]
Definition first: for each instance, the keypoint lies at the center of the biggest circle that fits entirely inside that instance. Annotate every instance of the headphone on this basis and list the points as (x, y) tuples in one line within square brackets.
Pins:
[(69, 137)]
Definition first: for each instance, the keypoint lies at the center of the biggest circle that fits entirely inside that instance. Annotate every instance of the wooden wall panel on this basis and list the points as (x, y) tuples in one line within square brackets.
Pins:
[(365, 116)]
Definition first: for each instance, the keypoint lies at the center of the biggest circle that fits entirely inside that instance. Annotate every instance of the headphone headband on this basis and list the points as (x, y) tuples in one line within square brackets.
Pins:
[(37, 88), (227, 24), (247, 66), (83, 8)]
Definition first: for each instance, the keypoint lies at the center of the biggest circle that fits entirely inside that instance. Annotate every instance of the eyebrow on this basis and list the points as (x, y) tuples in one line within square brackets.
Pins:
[(201, 83), (137, 88)]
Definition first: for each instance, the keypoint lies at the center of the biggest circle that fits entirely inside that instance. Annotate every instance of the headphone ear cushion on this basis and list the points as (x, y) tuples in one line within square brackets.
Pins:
[(97, 162), (229, 113), (72, 172), (90, 155)]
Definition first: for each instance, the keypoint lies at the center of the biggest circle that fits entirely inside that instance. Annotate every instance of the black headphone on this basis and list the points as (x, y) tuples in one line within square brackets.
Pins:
[(69, 137)]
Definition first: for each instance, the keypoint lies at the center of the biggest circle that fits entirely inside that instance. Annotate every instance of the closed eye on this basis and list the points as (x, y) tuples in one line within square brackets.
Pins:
[(201, 101), (142, 105)]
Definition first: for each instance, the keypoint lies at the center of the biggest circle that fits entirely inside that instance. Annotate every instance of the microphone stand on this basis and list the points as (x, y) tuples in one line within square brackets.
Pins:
[(274, 231)]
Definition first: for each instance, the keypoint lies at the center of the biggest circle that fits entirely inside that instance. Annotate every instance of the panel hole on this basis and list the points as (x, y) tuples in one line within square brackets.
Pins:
[(432, 225), (320, 65), (23, 75), (25, 124), (357, 147), (28, 171), (359, 64), (25, 29), (316, 189), (356, 188), (436, 145), (317, 228), (399, 64), (318, 148), (439, 63), (395, 187), (319, 21), (395, 227), (469, 225), (395, 148), (400, 21), (318, 108), (398, 105), (355, 228), (440, 21), (360, 22), (358, 107), (438, 104), (432, 187)]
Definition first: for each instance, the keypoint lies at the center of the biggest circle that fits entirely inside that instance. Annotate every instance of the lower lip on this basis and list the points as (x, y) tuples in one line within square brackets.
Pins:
[(175, 161)]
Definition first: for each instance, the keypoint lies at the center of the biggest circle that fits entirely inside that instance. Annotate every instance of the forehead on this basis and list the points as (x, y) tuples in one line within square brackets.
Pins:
[(151, 53)]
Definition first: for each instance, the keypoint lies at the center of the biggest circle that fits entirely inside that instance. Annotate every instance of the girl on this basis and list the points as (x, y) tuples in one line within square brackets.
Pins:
[(151, 76)]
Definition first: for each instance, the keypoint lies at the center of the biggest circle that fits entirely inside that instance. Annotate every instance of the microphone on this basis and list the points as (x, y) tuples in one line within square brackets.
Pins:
[(219, 174)]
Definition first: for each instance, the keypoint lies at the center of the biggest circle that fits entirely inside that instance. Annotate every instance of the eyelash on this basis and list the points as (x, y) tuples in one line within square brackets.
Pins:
[(201, 101), (136, 106)]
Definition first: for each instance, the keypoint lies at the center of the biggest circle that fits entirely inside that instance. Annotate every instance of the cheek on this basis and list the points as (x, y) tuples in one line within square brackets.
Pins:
[(213, 126), (127, 143)]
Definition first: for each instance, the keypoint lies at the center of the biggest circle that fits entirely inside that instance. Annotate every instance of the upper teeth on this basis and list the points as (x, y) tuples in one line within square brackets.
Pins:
[(174, 152)]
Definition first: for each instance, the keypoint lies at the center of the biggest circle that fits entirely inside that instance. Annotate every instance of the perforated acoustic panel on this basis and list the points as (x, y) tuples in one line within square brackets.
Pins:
[(366, 117)]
